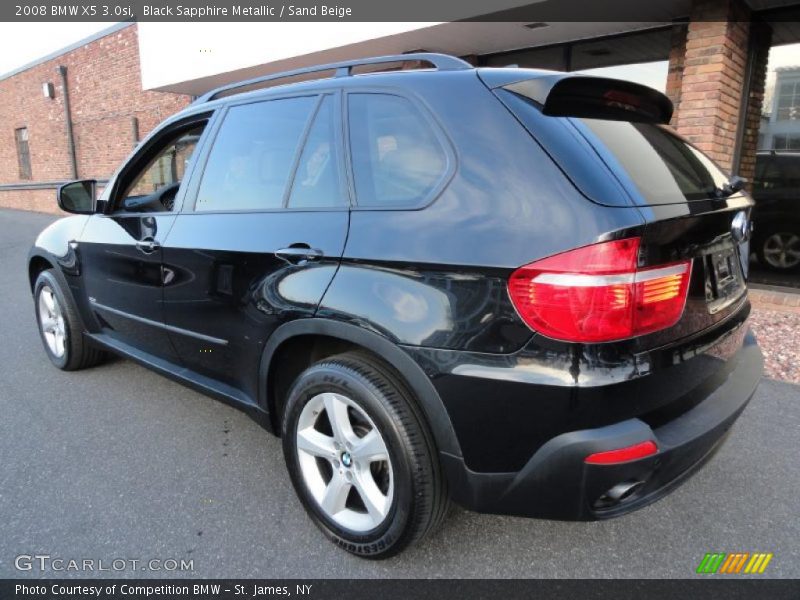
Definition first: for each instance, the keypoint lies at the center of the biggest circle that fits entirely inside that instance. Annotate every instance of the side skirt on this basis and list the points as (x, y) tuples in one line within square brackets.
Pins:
[(205, 385)]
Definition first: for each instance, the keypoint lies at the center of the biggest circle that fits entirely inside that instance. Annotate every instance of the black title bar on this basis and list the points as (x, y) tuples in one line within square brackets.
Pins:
[(391, 589), (547, 11)]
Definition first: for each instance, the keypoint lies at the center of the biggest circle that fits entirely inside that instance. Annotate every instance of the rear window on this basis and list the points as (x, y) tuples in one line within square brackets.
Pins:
[(662, 166), (583, 133)]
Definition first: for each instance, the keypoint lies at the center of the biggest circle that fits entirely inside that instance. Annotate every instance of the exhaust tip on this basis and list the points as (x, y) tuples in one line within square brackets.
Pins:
[(619, 494)]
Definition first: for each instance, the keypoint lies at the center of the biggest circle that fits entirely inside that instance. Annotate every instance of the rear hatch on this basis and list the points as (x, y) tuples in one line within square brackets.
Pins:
[(610, 139)]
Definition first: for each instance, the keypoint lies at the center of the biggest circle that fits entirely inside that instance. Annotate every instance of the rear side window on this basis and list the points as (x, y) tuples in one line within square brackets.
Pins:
[(397, 159), (253, 154), (663, 167)]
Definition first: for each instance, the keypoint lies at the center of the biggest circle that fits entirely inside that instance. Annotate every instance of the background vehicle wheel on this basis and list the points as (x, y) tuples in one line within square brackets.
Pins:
[(361, 457), (60, 327), (778, 248)]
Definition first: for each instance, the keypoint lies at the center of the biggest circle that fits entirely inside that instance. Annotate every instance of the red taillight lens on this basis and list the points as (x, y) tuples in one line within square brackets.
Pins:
[(597, 293), (621, 455)]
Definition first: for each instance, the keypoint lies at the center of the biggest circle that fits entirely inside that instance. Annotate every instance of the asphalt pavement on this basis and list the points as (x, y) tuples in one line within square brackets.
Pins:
[(116, 462)]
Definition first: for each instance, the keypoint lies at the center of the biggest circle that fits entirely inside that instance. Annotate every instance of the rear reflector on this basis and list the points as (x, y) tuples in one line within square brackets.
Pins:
[(621, 455), (598, 294)]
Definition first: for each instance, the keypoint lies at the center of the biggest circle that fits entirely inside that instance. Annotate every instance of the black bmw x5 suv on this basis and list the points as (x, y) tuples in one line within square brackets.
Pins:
[(511, 288)]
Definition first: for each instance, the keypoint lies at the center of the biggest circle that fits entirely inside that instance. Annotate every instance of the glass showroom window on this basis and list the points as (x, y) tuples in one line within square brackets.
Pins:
[(780, 113), (789, 101)]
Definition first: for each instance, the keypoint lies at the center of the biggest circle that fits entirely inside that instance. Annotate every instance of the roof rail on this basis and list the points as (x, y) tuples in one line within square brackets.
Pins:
[(442, 62)]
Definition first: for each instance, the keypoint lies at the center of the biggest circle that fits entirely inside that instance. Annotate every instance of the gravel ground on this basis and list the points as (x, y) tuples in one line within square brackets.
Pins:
[(778, 333)]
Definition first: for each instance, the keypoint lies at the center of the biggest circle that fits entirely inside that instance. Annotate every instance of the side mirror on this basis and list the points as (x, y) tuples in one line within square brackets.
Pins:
[(78, 197)]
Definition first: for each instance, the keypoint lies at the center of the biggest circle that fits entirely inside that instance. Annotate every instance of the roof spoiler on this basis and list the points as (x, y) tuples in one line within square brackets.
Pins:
[(566, 95)]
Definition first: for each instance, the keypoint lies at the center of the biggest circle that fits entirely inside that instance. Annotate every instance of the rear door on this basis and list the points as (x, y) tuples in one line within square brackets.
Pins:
[(260, 236)]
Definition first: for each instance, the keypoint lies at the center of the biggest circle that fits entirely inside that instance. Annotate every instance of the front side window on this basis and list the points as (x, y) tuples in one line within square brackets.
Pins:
[(397, 159), (153, 188), (253, 155)]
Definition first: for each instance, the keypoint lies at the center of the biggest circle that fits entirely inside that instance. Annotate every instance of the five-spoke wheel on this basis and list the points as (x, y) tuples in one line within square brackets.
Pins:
[(344, 461), (51, 321), (60, 326), (781, 250), (360, 455)]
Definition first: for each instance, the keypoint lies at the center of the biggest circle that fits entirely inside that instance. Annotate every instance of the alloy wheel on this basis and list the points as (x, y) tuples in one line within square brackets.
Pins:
[(51, 322), (782, 250), (344, 462)]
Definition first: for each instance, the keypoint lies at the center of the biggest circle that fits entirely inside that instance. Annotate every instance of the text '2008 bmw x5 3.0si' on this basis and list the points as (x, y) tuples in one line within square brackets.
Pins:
[(514, 289)]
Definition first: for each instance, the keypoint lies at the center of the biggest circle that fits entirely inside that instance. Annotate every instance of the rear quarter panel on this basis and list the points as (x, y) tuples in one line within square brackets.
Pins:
[(436, 276)]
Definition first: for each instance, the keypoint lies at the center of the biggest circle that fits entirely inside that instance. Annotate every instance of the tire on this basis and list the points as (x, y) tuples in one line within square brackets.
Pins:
[(778, 247), (60, 327), (411, 498)]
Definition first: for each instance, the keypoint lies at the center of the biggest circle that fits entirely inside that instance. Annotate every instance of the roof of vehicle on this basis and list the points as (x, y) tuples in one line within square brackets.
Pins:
[(550, 84)]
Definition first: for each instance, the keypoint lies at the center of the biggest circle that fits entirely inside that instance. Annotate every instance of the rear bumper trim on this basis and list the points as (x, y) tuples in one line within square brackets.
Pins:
[(557, 483)]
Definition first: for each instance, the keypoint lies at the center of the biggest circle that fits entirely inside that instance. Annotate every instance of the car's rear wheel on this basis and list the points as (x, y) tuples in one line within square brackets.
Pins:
[(360, 456), (60, 326)]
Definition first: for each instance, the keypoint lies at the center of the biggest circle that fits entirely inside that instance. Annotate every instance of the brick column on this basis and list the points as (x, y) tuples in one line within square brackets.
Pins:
[(677, 51), (760, 42), (712, 76)]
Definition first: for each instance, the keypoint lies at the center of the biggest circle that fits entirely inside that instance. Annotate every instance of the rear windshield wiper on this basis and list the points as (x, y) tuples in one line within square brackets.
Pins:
[(735, 184)]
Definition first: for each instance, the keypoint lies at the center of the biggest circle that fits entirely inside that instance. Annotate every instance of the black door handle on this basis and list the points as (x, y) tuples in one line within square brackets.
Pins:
[(297, 253), (148, 246)]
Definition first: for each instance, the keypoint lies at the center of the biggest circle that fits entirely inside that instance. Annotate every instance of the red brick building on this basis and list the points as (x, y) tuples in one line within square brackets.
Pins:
[(108, 111)]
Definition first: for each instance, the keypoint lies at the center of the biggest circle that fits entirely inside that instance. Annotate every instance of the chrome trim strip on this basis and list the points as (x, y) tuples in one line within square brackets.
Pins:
[(172, 328), (649, 275), (580, 280)]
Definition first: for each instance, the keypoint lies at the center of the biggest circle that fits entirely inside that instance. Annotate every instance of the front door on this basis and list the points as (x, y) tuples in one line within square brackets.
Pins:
[(121, 250), (260, 235)]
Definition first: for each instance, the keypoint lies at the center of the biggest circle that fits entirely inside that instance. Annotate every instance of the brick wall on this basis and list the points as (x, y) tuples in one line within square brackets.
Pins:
[(712, 77), (105, 91)]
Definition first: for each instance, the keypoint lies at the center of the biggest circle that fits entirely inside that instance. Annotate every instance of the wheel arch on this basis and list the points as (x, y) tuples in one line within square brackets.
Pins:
[(318, 338), (37, 263)]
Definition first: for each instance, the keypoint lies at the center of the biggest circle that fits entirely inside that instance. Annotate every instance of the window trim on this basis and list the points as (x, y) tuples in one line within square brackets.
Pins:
[(152, 145), (435, 126), (190, 203)]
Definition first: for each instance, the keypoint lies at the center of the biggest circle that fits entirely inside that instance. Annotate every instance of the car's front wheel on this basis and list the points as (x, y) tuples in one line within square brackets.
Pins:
[(60, 327), (360, 456)]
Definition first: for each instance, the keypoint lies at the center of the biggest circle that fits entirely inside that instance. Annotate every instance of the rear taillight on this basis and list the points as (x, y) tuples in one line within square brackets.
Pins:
[(598, 294)]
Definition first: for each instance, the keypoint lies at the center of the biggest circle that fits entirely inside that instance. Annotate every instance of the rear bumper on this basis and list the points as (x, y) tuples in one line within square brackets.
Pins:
[(556, 482)]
